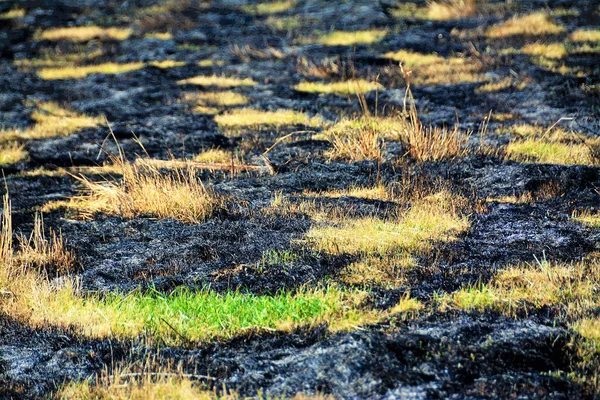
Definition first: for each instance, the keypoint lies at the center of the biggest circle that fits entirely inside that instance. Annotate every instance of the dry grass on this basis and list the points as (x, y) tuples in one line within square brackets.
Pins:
[(435, 217), (12, 153), (13, 14), (503, 84), (159, 35), (216, 156), (569, 288), (215, 99), (165, 64), (362, 138), (551, 50), (256, 119), (549, 152), (78, 72), (431, 69), (269, 8), (349, 38), (145, 190), (50, 121), (218, 81), (354, 86), (84, 33), (589, 218), (535, 24), (585, 35), (452, 9)]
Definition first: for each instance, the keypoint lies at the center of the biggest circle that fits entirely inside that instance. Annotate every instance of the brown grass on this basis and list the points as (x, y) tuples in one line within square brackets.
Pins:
[(145, 190), (535, 24), (52, 120), (452, 9), (84, 33), (12, 153)]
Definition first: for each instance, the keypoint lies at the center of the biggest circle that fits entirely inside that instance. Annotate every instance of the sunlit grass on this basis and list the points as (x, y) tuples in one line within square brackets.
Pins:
[(591, 219), (59, 59), (285, 24), (349, 38), (159, 35), (146, 191), (585, 35), (268, 8), (535, 24), (215, 99), (84, 33), (78, 72), (253, 118), (451, 9), (13, 14), (218, 81), (433, 218), (51, 120), (216, 156), (342, 88), (12, 153), (568, 287), (165, 64), (542, 151), (551, 50), (503, 84), (432, 69)]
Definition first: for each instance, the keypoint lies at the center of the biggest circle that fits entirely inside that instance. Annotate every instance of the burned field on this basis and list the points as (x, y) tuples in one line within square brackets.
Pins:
[(300, 199)]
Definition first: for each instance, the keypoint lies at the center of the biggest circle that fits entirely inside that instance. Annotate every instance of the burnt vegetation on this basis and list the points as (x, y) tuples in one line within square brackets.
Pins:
[(299, 199)]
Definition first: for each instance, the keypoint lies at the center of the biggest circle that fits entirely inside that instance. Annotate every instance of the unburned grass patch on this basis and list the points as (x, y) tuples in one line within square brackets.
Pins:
[(218, 81), (51, 120), (270, 7), (78, 72), (249, 118), (534, 24), (12, 153), (345, 88), (349, 38), (84, 33), (145, 190)]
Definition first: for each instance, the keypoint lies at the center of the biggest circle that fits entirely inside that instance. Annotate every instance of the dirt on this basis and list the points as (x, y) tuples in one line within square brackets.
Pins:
[(443, 355)]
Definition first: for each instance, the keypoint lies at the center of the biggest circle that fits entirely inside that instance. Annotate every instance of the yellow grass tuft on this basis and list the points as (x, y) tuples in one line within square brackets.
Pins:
[(12, 153), (84, 33), (218, 81), (78, 72), (535, 24), (253, 118), (354, 86), (451, 9), (551, 50), (51, 120), (591, 219), (269, 8), (503, 84), (216, 156), (159, 35), (432, 69), (348, 38), (585, 35), (215, 99), (13, 14), (167, 64), (145, 190)]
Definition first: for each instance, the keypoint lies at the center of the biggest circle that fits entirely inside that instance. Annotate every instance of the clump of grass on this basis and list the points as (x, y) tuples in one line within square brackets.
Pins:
[(551, 50), (432, 69), (215, 99), (355, 86), (13, 14), (435, 217), (376, 192), (146, 190), (347, 38), (585, 35), (571, 288), (159, 35), (269, 8), (534, 24), (286, 24), (503, 84), (549, 152), (452, 9), (12, 153), (78, 72), (165, 64), (253, 118), (216, 156), (591, 219), (84, 33), (218, 81), (51, 120), (362, 138)]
